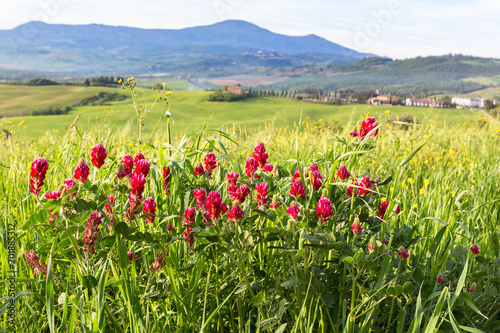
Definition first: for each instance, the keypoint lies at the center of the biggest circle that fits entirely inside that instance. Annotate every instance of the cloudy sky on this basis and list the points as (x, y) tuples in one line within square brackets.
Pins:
[(394, 28)]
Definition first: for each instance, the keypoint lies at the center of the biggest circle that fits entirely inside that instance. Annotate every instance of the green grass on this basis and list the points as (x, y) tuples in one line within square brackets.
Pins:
[(15, 99), (491, 93), (266, 271), (190, 110), (490, 80)]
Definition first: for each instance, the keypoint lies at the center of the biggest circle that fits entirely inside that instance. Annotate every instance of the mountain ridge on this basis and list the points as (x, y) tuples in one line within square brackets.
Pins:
[(46, 46)]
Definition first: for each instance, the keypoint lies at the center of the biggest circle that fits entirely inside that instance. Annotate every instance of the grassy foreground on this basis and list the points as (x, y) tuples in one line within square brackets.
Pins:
[(265, 271)]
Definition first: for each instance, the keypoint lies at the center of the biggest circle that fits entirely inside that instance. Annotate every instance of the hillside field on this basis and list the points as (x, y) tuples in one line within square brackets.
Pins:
[(190, 110)]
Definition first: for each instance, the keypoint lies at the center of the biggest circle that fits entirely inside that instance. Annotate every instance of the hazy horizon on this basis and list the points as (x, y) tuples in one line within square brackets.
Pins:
[(394, 28)]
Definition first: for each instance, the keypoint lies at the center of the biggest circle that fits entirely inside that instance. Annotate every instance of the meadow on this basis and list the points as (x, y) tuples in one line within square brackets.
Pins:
[(191, 111), (394, 229)]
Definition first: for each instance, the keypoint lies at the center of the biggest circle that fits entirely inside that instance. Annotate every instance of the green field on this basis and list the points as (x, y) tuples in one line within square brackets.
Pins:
[(17, 99), (190, 110), (486, 80), (267, 271)]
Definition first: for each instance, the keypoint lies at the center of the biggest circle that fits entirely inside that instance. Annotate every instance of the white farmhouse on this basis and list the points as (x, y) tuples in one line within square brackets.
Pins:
[(461, 102)]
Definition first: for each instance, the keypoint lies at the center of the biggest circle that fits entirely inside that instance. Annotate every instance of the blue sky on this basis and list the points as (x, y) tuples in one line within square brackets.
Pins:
[(394, 28)]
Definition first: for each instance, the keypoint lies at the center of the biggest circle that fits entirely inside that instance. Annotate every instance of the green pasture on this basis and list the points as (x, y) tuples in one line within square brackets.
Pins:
[(190, 110)]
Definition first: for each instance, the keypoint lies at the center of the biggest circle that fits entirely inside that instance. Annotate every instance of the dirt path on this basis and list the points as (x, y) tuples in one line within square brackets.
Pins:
[(490, 116)]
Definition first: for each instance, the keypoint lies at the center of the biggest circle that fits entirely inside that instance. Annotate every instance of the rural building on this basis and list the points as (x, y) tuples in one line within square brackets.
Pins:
[(461, 102), (382, 100), (473, 103), (477, 103), (234, 89), (424, 102)]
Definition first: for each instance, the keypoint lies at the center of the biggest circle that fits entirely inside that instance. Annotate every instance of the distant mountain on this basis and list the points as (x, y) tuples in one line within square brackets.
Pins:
[(100, 48)]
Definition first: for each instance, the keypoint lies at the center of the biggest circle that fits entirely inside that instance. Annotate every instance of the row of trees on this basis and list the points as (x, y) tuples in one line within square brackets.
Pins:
[(102, 81)]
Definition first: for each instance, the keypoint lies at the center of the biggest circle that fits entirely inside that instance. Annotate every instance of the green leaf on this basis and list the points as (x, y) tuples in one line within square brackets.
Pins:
[(49, 296), (290, 283), (122, 228), (437, 241), (245, 238), (348, 260), (108, 241), (401, 320), (89, 281), (460, 284), (281, 329), (270, 229), (431, 324), (385, 181), (311, 238), (471, 305), (13, 300), (168, 115), (419, 313), (471, 329), (328, 299)]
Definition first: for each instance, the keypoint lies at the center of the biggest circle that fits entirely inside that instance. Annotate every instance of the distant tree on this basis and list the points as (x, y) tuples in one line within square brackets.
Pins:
[(86, 82), (40, 82)]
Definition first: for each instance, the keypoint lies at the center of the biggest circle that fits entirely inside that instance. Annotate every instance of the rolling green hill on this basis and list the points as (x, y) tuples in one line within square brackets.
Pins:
[(190, 110), (421, 76), (23, 100)]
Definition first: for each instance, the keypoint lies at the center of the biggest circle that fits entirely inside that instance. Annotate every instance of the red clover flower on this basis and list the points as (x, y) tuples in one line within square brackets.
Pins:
[(149, 206), (189, 240), (342, 172), (371, 245), (98, 155), (382, 210), (210, 163), (293, 210), (199, 171), (474, 248), (324, 210), (200, 197), (90, 236), (402, 254), (34, 261), (188, 216), (38, 171), (262, 191), (167, 177), (356, 226), (251, 167), (235, 213), (142, 166), (297, 189), (81, 171)]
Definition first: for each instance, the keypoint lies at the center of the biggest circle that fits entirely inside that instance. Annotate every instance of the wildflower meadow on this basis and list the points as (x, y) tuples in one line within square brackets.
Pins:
[(377, 227)]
